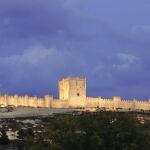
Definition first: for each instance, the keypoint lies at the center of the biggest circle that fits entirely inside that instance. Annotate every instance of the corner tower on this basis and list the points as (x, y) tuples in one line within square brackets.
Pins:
[(72, 87)]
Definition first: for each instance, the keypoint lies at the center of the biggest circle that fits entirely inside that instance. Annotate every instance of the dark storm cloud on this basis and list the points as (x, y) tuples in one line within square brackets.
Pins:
[(32, 20), (42, 41), (35, 69)]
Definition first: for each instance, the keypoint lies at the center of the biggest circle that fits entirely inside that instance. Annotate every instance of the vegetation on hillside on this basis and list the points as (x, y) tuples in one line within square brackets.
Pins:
[(92, 131)]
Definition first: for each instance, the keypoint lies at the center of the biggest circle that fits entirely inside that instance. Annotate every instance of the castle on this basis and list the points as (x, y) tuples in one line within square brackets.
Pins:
[(72, 94)]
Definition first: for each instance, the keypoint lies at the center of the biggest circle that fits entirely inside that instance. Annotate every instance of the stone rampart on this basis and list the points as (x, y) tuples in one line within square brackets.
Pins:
[(6, 101), (59, 103), (89, 102), (117, 103)]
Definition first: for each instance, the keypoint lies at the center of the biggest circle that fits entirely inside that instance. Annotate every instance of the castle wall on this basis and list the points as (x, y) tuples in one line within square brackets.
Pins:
[(40, 103), (106, 103), (77, 88), (127, 104), (64, 89), (6, 100), (135, 104), (117, 103), (74, 102), (77, 102), (99, 103), (3, 100), (72, 94), (48, 101), (11, 101), (142, 105), (59, 103), (92, 102)]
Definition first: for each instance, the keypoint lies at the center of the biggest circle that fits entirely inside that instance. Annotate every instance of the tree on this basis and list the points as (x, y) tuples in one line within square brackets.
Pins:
[(4, 138), (99, 130)]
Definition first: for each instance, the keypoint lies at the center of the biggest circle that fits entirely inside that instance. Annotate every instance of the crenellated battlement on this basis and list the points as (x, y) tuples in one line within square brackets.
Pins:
[(72, 94), (28, 101)]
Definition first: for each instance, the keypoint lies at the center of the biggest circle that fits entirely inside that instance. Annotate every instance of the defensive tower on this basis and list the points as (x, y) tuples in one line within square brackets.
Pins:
[(72, 88)]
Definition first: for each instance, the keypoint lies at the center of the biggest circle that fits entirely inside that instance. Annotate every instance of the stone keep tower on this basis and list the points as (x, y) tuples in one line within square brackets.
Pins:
[(73, 90)]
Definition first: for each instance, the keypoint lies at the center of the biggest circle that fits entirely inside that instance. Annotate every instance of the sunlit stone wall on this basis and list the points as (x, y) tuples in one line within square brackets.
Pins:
[(59, 103), (72, 94), (6, 100), (73, 89), (111, 104)]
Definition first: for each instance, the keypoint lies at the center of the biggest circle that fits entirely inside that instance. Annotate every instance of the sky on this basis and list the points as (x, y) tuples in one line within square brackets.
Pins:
[(106, 41)]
